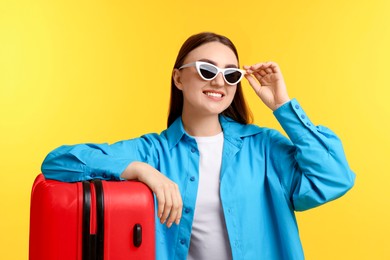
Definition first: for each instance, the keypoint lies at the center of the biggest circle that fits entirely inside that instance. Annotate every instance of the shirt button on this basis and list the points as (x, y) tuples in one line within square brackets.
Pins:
[(303, 116), (297, 106), (308, 124), (182, 241), (192, 178), (193, 150), (104, 175), (187, 210), (93, 175)]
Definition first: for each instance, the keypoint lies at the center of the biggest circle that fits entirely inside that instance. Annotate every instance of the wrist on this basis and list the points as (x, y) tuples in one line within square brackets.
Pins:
[(277, 105), (132, 171)]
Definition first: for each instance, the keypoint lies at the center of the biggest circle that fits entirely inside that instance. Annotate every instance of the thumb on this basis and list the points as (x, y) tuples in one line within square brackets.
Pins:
[(253, 83)]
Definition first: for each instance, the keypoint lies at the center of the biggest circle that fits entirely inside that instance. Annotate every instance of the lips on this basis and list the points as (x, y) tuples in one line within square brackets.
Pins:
[(214, 94)]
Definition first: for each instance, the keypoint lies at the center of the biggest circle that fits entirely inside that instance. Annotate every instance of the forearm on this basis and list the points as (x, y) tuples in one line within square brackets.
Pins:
[(137, 171), (85, 162), (321, 172)]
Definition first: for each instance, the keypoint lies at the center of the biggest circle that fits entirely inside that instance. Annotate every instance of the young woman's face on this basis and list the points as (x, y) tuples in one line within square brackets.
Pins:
[(203, 97)]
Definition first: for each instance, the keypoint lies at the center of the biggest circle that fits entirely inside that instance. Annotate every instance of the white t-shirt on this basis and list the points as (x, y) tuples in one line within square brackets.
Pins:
[(209, 238)]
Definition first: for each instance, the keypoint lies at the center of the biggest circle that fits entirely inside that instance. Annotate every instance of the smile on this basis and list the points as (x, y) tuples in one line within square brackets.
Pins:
[(213, 94)]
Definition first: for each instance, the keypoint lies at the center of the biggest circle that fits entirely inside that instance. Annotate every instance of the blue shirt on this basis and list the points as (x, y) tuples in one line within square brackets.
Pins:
[(264, 178)]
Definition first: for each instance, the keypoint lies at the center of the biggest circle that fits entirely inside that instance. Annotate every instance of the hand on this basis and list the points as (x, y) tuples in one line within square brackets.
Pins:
[(167, 192), (267, 81)]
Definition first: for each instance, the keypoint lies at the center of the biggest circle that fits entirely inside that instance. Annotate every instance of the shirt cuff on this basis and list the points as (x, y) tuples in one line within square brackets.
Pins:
[(113, 172), (294, 120)]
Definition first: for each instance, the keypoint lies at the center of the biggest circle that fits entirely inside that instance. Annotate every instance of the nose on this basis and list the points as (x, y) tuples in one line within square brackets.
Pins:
[(218, 80)]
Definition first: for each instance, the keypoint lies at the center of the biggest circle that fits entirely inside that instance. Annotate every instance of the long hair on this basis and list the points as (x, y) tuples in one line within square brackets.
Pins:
[(238, 109)]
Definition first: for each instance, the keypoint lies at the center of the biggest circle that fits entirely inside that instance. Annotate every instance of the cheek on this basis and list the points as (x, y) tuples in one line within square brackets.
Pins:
[(192, 84), (232, 92), (189, 77)]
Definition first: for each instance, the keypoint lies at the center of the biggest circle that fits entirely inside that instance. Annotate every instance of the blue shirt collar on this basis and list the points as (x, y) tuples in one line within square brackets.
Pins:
[(232, 130)]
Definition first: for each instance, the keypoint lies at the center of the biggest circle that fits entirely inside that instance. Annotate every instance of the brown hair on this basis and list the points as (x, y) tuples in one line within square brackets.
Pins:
[(238, 109)]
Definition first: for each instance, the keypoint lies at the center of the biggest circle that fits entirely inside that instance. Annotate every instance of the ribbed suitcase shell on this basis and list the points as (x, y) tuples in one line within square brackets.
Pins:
[(56, 220)]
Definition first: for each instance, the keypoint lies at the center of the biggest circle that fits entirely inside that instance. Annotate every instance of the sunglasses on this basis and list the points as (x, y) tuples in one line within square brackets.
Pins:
[(209, 71)]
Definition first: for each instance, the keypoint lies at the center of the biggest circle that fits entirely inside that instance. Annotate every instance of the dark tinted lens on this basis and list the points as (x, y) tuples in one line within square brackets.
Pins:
[(207, 71), (232, 76)]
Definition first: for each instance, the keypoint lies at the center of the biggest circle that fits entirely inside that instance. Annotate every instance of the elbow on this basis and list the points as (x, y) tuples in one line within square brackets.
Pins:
[(339, 177), (347, 182), (46, 167), (344, 177), (315, 192), (62, 167), (340, 186), (49, 170)]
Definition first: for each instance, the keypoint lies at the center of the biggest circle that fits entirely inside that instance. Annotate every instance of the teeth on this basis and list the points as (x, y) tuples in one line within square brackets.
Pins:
[(212, 94)]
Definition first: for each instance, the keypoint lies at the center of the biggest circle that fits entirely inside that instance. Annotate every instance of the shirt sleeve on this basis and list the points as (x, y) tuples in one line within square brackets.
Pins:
[(70, 163), (312, 165)]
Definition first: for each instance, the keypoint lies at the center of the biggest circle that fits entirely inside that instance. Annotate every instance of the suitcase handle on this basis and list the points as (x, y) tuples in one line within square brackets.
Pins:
[(137, 235)]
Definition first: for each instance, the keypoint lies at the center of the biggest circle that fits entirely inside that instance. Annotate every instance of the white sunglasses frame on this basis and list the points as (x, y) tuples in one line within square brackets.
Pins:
[(197, 65)]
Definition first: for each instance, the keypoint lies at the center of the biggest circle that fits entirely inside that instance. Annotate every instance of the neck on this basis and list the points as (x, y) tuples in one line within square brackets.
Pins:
[(201, 125)]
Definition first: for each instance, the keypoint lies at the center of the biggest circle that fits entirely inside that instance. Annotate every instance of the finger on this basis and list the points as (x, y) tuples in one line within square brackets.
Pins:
[(262, 73), (180, 208), (161, 203), (177, 207), (253, 83), (257, 76), (179, 215), (173, 213), (273, 67), (167, 206), (248, 69), (256, 66), (264, 66)]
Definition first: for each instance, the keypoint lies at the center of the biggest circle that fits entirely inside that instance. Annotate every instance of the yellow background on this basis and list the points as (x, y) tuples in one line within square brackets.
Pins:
[(99, 71)]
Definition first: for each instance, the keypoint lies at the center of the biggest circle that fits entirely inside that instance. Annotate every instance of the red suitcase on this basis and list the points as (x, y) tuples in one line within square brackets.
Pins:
[(108, 220)]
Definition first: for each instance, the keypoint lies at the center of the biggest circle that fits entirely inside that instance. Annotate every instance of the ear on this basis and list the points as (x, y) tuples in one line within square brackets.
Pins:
[(176, 74)]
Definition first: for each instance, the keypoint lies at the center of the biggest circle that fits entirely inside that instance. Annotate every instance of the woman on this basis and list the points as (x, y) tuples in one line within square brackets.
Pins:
[(225, 189)]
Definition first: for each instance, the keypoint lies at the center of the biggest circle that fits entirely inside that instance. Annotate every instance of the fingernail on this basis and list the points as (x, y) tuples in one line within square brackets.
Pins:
[(169, 224)]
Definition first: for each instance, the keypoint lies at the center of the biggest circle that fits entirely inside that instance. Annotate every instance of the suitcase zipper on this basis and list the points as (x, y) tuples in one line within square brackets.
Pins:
[(93, 223), (99, 218), (87, 247)]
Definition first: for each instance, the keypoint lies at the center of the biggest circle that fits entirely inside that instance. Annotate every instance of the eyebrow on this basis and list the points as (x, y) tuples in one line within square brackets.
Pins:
[(214, 63)]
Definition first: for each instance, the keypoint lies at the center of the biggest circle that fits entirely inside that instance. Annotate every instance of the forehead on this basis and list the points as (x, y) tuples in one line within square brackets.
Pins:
[(214, 51)]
